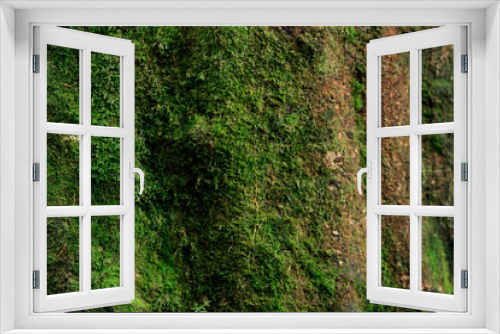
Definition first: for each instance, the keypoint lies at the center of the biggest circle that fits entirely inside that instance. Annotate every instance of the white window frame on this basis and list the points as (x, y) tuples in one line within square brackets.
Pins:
[(413, 43), (483, 20), (86, 44)]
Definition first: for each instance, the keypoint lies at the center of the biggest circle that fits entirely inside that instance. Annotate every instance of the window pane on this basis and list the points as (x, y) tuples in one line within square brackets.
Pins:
[(63, 170), (63, 255), (63, 85), (105, 171), (395, 89), (437, 169), (437, 84), (437, 254), (105, 252), (395, 171), (396, 251), (105, 89)]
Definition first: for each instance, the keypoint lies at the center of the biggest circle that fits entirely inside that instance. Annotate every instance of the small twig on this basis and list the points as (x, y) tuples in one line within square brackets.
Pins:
[(70, 86), (60, 252)]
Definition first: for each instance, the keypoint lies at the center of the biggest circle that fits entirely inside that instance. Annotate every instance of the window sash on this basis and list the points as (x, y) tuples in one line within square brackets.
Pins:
[(414, 298), (87, 43)]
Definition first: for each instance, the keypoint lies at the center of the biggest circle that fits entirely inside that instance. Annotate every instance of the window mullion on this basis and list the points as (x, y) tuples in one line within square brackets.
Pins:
[(85, 167), (414, 172)]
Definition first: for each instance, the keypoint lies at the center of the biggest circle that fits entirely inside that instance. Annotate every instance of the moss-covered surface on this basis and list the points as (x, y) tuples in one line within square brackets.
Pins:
[(250, 138)]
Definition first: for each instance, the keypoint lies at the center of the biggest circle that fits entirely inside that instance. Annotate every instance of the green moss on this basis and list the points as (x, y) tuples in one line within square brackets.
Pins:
[(250, 138)]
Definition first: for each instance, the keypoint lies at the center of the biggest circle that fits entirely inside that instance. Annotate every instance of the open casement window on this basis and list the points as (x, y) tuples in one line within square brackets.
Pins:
[(84, 170), (416, 190)]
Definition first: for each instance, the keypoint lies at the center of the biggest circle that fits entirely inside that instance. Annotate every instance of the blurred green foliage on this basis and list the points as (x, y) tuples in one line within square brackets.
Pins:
[(105, 77), (105, 171), (437, 254), (250, 138), (63, 85), (63, 170), (105, 253), (63, 256), (437, 84)]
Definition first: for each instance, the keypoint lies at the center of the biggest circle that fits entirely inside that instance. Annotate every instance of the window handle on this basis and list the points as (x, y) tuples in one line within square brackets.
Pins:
[(368, 171), (134, 170)]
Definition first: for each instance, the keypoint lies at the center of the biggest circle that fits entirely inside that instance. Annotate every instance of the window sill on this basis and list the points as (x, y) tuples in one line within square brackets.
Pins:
[(251, 331)]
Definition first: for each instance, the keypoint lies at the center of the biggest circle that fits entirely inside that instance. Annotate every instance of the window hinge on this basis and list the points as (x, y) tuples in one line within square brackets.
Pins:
[(36, 279), (465, 279), (465, 64), (464, 171), (36, 172), (36, 63)]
